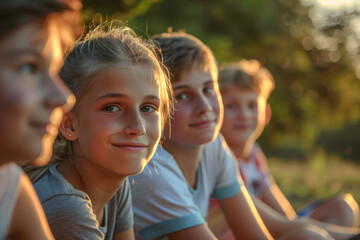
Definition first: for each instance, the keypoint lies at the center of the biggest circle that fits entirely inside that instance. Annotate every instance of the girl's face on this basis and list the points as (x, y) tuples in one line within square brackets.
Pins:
[(30, 91), (117, 123), (198, 110), (244, 116)]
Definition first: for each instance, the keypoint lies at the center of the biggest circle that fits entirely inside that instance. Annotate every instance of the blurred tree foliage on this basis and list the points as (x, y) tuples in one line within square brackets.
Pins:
[(316, 87)]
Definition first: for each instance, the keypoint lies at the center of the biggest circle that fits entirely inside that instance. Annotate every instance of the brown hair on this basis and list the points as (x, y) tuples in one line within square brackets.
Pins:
[(15, 13), (182, 52), (246, 74), (98, 50)]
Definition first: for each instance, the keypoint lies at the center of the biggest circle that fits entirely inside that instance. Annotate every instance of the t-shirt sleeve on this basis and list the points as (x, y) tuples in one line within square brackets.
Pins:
[(228, 180), (162, 203), (71, 217), (124, 216)]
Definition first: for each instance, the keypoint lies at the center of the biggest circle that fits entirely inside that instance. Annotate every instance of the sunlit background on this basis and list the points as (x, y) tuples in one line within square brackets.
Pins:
[(312, 49)]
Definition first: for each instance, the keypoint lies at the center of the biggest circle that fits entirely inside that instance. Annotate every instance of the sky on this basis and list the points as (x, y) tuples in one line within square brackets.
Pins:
[(324, 13)]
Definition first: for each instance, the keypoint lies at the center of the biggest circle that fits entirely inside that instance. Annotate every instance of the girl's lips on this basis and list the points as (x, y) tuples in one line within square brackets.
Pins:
[(202, 124), (134, 147)]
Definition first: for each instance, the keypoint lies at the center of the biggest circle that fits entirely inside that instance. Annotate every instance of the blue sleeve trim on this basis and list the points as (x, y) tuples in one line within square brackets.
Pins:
[(173, 225), (226, 192)]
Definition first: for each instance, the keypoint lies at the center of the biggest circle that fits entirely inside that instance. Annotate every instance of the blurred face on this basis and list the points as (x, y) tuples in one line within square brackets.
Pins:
[(117, 123), (244, 116), (198, 110), (31, 93)]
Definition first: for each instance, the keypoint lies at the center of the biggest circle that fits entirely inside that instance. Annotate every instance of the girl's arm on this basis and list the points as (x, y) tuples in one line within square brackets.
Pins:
[(125, 235), (275, 199), (279, 225), (197, 232), (29, 220), (243, 218)]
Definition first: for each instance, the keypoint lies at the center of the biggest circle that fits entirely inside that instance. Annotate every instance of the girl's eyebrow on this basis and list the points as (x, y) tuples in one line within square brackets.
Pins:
[(111, 95), (180, 87), (152, 97), (121, 95), (19, 52), (209, 82)]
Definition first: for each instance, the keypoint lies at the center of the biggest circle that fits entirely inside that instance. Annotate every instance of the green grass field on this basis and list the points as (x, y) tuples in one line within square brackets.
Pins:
[(319, 177)]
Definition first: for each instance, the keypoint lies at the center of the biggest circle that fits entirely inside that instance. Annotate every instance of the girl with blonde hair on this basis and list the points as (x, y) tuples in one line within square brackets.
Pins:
[(123, 99)]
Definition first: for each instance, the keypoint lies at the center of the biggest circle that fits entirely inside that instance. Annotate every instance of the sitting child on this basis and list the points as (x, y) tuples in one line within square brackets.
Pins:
[(123, 99), (245, 87), (32, 98)]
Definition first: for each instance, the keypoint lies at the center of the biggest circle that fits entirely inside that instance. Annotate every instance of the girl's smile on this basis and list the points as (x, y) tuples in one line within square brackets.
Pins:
[(117, 122)]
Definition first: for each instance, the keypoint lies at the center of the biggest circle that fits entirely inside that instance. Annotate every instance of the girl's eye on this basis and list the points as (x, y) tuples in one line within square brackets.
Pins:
[(252, 105), (149, 108), (181, 96), (208, 90), (28, 68), (111, 108)]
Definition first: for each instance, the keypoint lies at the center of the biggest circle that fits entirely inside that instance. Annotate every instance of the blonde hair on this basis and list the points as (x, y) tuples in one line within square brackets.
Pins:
[(246, 74), (182, 52), (98, 50)]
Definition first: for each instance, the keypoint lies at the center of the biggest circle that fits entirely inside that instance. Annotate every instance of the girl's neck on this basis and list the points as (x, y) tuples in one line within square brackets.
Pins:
[(242, 151), (98, 183), (188, 159)]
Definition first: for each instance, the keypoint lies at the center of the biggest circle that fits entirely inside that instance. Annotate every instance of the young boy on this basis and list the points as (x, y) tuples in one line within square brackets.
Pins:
[(245, 87)]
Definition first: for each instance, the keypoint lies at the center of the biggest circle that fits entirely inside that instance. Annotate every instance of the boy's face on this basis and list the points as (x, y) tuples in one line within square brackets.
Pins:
[(198, 110), (244, 116), (30, 91)]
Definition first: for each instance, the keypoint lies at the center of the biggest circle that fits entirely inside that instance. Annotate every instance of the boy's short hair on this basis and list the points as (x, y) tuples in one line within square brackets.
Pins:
[(182, 52), (246, 74)]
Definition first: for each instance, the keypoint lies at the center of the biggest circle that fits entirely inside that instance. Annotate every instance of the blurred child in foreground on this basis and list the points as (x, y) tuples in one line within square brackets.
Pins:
[(33, 36), (245, 87)]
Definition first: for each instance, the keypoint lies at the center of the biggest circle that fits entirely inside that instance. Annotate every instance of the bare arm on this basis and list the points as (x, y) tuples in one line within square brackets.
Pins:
[(29, 220), (125, 235), (198, 232), (274, 198), (243, 218), (278, 224)]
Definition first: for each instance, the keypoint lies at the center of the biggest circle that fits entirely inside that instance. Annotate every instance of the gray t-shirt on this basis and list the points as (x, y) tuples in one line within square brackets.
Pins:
[(69, 211)]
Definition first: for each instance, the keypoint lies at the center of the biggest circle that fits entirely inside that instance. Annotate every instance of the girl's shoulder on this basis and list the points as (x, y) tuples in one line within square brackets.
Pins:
[(9, 184), (53, 184)]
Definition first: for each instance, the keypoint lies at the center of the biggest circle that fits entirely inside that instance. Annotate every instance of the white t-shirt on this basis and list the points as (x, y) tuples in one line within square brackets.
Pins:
[(163, 202), (9, 185)]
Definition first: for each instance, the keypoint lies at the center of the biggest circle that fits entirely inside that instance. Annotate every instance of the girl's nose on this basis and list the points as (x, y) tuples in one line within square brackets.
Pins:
[(204, 105), (135, 125), (57, 94)]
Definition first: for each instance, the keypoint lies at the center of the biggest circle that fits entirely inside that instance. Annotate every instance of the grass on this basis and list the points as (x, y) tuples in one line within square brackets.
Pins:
[(319, 177)]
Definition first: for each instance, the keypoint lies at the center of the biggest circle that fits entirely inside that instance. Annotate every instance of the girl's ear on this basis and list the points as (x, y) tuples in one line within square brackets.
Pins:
[(268, 114), (67, 127)]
